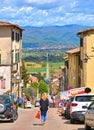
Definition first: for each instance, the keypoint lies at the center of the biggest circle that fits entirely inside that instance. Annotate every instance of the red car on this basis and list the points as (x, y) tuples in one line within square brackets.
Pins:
[(68, 106), (63, 108)]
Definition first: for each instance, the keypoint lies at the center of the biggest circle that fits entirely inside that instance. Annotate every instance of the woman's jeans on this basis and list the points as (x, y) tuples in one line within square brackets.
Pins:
[(43, 115)]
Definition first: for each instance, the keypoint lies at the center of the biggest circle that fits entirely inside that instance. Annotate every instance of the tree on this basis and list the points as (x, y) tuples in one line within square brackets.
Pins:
[(39, 76), (43, 87), (35, 87), (25, 76)]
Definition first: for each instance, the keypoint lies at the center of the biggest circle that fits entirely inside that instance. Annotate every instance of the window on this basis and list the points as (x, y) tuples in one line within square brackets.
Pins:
[(21, 33), (17, 37), (67, 64), (84, 98), (81, 42), (81, 64), (3, 83), (12, 36), (17, 56)]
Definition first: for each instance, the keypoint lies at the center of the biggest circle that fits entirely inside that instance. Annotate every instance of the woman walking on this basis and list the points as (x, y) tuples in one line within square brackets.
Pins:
[(44, 106)]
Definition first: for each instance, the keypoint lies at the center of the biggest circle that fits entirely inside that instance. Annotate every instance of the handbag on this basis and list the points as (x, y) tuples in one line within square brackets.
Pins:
[(37, 115)]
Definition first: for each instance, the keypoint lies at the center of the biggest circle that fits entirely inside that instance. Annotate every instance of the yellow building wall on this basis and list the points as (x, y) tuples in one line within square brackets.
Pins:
[(73, 71), (90, 62), (83, 70), (87, 51)]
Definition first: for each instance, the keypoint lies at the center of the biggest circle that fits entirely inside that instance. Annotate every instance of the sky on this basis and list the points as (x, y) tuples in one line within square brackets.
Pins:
[(47, 12)]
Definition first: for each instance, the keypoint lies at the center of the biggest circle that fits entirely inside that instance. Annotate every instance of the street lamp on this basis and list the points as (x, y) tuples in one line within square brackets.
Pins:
[(22, 85), (18, 77)]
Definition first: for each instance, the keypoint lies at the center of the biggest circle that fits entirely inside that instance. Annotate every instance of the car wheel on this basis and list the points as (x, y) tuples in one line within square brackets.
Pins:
[(71, 121), (12, 119), (16, 115), (65, 114), (87, 127), (2, 107)]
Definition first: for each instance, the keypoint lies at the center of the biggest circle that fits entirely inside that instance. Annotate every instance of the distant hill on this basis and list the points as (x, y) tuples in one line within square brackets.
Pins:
[(51, 36)]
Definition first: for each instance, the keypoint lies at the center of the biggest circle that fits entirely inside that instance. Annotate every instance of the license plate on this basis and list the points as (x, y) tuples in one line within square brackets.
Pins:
[(83, 112), (81, 118)]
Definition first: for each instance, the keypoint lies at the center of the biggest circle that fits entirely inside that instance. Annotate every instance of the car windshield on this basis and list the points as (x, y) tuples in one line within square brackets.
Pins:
[(72, 98), (4, 99), (86, 98), (37, 101)]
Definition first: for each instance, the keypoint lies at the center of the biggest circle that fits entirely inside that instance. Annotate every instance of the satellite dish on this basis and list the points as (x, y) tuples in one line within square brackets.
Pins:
[(87, 90)]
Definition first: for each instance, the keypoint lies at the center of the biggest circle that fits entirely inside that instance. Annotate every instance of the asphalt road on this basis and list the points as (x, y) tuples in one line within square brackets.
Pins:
[(27, 121)]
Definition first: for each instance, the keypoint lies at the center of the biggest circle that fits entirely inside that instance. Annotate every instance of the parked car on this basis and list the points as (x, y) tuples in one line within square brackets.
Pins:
[(63, 108), (89, 117), (79, 107), (68, 106), (8, 108), (28, 104), (37, 103)]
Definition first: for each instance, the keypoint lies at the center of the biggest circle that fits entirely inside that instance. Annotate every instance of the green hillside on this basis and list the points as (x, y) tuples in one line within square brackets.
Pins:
[(64, 36)]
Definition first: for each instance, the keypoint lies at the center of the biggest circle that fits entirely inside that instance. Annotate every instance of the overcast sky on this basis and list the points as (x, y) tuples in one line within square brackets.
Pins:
[(47, 12)]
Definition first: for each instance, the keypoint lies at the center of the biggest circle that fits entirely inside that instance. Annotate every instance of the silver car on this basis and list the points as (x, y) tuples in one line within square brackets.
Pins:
[(89, 117)]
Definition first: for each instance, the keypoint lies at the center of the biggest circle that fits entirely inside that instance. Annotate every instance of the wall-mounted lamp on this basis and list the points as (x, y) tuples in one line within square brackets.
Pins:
[(92, 49), (86, 57)]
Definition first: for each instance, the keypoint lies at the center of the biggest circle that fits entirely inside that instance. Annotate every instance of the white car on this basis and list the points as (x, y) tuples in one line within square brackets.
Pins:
[(37, 103), (79, 107), (89, 117), (28, 104)]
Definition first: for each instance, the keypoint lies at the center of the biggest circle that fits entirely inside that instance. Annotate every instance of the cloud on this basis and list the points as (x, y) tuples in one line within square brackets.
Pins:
[(47, 12), (40, 1)]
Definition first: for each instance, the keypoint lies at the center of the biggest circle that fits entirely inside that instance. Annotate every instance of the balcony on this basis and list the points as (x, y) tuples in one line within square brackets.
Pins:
[(14, 68)]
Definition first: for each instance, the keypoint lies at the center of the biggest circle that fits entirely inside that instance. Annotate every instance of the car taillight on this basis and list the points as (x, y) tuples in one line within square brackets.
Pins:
[(11, 106), (64, 105), (69, 105), (74, 104), (73, 113)]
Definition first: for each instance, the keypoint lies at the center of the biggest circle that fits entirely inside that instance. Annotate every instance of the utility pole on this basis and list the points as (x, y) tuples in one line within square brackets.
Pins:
[(47, 69), (47, 79)]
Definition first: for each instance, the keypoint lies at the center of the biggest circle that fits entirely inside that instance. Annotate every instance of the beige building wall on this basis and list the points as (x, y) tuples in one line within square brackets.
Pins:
[(5, 45), (73, 71), (11, 53)]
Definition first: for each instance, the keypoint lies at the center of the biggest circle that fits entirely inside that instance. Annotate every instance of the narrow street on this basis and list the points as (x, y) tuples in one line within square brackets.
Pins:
[(27, 121)]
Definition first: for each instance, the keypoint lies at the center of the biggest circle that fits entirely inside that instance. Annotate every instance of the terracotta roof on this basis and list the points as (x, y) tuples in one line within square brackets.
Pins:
[(10, 24), (34, 79), (86, 30), (76, 50), (65, 57)]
